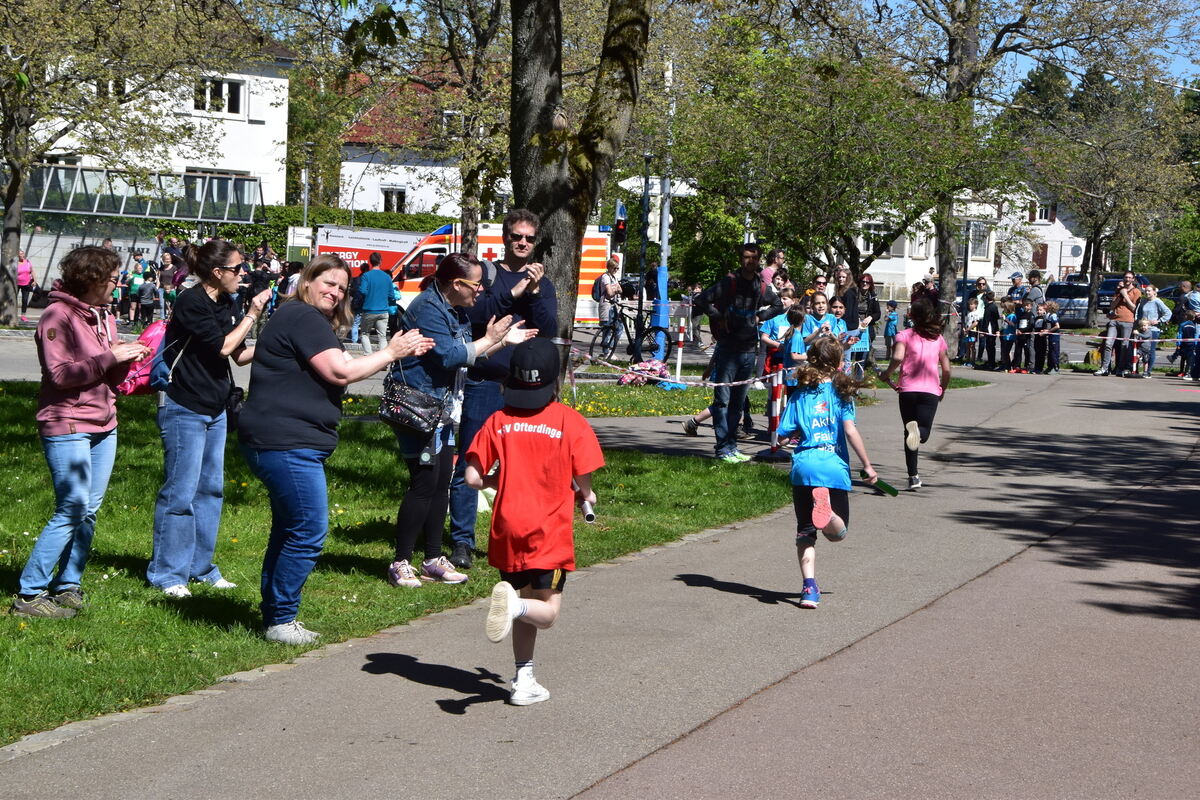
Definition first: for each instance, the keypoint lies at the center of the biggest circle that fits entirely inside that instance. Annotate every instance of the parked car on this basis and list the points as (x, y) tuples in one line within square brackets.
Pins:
[(1072, 299)]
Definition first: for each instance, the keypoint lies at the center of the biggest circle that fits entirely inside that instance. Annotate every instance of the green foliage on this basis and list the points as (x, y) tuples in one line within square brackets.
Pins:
[(132, 646), (703, 237), (815, 147)]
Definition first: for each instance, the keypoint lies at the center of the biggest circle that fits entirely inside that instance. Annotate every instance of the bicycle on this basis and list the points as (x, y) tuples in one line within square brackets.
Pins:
[(605, 339)]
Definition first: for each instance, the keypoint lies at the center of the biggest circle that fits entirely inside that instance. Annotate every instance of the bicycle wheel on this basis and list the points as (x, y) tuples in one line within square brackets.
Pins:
[(649, 343), (600, 348)]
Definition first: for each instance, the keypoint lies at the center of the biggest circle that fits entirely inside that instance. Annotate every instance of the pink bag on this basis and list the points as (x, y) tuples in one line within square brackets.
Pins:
[(138, 379)]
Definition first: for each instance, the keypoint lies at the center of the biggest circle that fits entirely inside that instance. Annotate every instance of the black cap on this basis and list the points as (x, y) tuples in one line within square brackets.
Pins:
[(532, 374)]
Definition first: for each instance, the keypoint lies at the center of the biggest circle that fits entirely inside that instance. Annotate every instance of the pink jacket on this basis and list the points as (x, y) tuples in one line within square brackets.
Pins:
[(74, 342)]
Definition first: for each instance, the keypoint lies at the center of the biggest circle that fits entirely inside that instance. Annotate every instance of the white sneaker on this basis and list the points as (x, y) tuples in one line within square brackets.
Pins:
[(292, 632), (501, 611), (914, 482), (178, 590), (221, 583), (527, 693), (912, 435), (401, 573)]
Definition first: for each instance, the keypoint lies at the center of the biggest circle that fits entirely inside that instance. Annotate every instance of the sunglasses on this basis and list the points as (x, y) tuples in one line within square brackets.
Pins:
[(522, 237), (822, 283), (234, 268), (473, 284)]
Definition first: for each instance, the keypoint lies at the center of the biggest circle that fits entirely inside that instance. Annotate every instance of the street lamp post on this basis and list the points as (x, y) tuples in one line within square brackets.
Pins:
[(308, 148)]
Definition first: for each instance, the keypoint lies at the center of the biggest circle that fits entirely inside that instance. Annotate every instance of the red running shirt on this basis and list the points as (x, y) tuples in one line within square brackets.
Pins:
[(539, 451)]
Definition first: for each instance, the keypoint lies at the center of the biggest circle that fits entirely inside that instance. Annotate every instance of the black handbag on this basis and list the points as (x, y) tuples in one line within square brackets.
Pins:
[(234, 402), (409, 411)]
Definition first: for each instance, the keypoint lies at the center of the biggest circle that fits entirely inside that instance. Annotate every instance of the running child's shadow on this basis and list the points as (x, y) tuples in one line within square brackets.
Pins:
[(761, 595), (480, 686)]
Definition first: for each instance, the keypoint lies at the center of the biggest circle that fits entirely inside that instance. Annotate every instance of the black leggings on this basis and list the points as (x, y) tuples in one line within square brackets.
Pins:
[(423, 509), (25, 292), (802, 501), (918, 407)]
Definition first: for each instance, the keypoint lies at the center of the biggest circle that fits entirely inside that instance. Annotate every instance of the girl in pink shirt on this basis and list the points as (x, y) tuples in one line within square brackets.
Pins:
[(920, 358)]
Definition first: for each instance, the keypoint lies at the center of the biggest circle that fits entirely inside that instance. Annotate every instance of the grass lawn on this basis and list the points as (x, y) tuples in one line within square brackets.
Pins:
[(611, 400), (133, 646)]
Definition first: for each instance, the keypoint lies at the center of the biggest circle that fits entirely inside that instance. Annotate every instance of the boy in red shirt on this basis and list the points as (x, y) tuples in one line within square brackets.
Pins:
[(541, 446)]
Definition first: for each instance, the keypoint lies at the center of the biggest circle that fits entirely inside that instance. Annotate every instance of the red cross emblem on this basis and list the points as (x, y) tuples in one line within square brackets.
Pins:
[(490, 254)]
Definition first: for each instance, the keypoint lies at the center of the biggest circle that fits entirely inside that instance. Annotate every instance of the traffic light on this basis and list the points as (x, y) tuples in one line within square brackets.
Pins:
[(618, 234)]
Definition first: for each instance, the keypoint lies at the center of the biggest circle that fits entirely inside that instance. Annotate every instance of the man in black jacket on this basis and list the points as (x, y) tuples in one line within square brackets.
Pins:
[(735, 305)]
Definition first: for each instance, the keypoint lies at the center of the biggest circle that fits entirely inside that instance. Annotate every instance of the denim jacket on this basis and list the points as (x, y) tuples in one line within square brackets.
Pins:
[(436, 372)]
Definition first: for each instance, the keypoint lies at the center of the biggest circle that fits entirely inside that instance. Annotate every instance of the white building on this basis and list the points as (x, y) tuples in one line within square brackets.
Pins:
[(405, 183), (246, 113), (1016, 234)]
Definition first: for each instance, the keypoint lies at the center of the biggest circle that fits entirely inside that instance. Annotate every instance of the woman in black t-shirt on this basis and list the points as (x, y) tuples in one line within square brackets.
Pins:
[(288, 428), (204, 331)]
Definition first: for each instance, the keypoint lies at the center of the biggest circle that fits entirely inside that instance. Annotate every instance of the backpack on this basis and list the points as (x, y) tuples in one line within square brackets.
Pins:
[(137, 381), (598, 289)]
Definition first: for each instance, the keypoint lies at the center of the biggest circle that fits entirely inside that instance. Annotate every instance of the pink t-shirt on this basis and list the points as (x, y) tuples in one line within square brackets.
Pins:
[(919, 370)]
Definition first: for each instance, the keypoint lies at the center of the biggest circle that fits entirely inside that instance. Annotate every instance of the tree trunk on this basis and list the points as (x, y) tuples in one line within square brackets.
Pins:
[(1093, 249), (10, 243), (556, 174), (947, 261), (470, 209)]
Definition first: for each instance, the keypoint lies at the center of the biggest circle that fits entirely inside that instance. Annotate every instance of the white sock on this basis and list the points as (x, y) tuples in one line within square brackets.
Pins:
[(520, 609), (524, 671)]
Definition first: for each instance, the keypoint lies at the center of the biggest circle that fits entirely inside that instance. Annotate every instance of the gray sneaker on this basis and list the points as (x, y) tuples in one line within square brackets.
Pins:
[(70, 598), (41, 605), (292, 632), (691, 427)]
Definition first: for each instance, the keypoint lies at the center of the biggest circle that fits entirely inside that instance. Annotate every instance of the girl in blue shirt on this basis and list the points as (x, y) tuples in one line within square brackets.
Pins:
[(821, 415)]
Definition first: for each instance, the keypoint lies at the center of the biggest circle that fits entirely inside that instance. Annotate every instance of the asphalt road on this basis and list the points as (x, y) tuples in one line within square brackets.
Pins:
[(1025, 626)]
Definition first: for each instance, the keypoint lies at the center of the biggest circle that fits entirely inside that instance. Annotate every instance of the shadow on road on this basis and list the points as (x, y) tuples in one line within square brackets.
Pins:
[(768, 596), (480, 686), (1145, 515)]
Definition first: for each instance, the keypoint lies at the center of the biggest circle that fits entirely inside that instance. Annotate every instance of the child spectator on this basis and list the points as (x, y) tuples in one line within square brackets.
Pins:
[(971, 329), (544, 449), (821, 413), (1187, 345), (1144, 338), (1023, 355), (1040, 342), (1008, 334), (891, 326), (1053, 337), (147, 298)]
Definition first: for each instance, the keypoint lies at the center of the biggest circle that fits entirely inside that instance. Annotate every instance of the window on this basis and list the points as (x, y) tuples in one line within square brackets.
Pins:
[(218, 95), (920, 247), (978, 235), (114, 87), (899, 246), (393, 199), (1043, 213), (452, 122), (67, 159)]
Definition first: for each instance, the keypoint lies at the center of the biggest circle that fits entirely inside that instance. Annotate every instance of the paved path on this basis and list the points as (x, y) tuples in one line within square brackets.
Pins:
[(948, 658)]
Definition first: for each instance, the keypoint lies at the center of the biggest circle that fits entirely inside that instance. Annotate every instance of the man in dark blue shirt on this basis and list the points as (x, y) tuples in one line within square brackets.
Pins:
[(517, 285)]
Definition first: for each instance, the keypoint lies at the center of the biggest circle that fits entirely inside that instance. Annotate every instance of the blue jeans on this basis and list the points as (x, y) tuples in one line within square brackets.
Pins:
[(1152, 346), (481, 399), (728, 400), (187, 513), (295, 481), (354, 327), (80, 465)]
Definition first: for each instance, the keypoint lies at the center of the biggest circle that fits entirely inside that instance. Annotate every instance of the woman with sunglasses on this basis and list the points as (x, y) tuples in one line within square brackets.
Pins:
[(868, 306), (205, 331), (440, 372)]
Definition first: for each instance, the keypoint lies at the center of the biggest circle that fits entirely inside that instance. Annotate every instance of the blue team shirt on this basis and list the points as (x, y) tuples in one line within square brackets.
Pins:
[(775, 327), (893, 323), (816, 415)]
